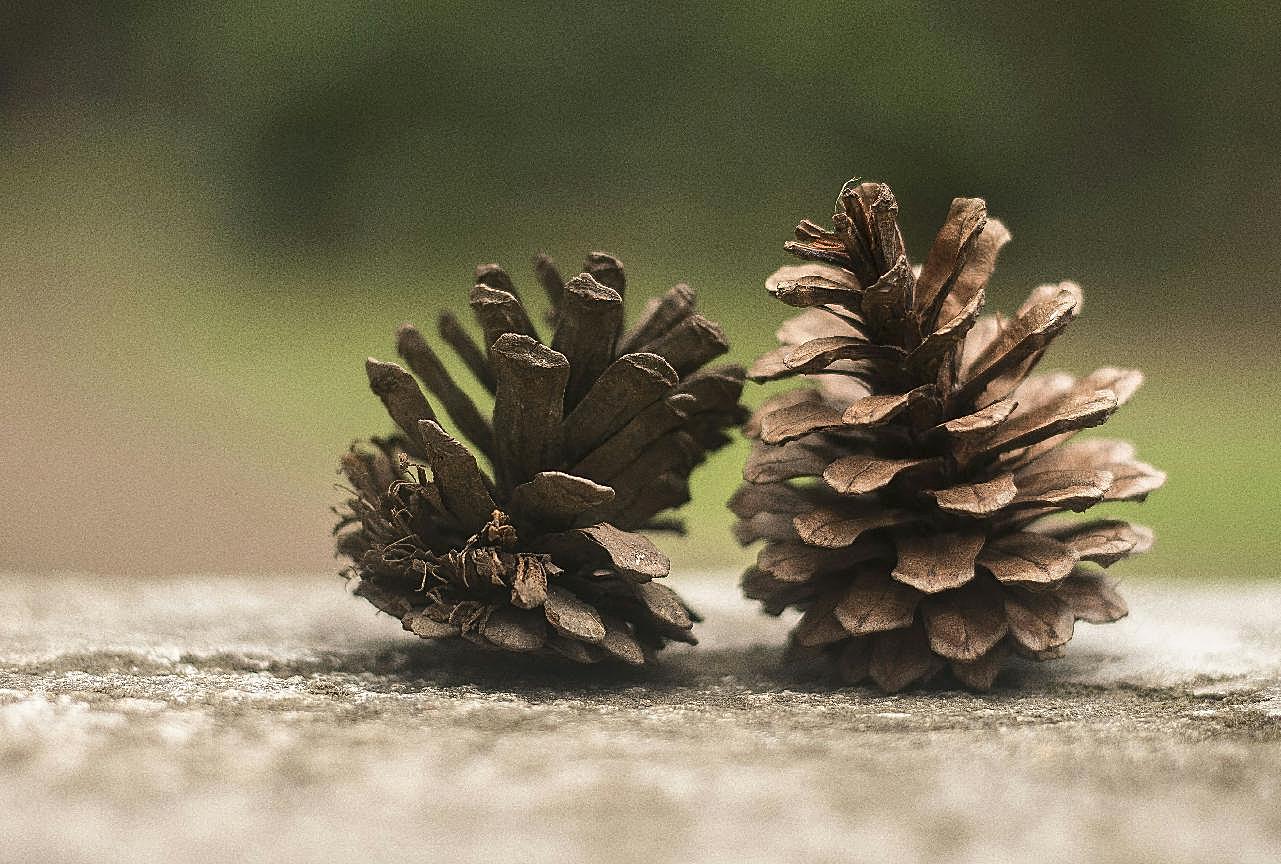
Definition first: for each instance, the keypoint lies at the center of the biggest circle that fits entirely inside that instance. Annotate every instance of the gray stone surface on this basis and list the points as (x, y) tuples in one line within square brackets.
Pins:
[(273, 719)]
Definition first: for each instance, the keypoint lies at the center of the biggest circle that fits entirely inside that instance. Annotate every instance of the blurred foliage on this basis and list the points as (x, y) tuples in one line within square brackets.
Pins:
[(247, 194), (1138, 138)]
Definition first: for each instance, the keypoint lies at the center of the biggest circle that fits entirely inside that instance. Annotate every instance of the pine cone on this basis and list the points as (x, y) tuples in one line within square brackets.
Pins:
[(591, 439), (903, 497)]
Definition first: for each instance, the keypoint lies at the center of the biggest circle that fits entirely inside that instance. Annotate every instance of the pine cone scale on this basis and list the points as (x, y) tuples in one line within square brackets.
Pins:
[(661, 316), (572, 617), (630, 385), (556, 500), (874, 604), (966, 623), (458, 478), (932, 563), (528, 406), (424, 363), (1039, 621), (948, 255), (586, 333)]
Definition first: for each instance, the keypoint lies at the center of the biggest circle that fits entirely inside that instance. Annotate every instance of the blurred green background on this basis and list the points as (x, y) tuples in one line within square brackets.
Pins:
[(212, 212)]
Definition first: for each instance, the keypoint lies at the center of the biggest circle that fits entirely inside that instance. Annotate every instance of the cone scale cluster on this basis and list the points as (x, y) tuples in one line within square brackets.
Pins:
[(910, 499), (593, 434)]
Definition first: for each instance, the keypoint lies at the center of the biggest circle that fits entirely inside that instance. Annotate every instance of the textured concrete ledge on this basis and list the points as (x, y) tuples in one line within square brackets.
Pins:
[(273, 719)]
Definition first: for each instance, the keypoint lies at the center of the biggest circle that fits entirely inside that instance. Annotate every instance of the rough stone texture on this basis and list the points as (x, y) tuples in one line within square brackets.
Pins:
[(273, 719)]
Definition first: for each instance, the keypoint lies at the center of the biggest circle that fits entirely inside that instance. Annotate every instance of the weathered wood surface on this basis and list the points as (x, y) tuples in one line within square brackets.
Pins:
[(274, 719)]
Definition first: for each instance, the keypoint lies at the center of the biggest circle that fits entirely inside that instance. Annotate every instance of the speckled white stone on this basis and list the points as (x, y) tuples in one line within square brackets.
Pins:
[(275, 719)]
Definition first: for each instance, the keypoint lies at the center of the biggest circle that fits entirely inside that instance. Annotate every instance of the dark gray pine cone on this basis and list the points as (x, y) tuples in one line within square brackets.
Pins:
[(903, 498), (593, 436)]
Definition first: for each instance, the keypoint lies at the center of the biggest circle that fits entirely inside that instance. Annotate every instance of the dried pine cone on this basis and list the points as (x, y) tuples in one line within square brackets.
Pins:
[(903, 498), (591, 439)]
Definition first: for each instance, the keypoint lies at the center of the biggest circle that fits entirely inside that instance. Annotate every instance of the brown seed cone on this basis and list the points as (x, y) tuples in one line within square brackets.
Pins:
[(903, 498), (592, 436)]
